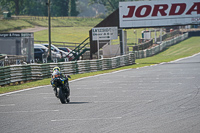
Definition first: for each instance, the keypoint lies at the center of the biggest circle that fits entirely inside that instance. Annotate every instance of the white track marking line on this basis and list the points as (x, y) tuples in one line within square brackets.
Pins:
[(111, 101), (148, 90), (84, 96), (73, 96), (184, 58), (33, 94), (49, 97), (89, 77), (87, 119), (6, 105), (33, 111), (146, 101), (9, 93)]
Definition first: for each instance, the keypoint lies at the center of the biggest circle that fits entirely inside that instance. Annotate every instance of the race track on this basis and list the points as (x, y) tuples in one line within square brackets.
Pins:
[(163, 98)]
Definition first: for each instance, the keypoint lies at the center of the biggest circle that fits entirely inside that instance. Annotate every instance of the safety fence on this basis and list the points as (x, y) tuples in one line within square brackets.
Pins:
[(19, 73), (23, 73), (157, 49), (149, 43), (12, 59), (143, 45)]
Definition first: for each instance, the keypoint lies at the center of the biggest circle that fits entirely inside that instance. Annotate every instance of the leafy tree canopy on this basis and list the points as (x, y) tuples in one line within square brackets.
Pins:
[(39, 7), (111, 5)]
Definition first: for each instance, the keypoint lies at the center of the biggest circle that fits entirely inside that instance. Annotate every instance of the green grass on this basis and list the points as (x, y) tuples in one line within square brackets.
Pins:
[(79, 34), (64, 34), (72, 29), (186, 48), (180, 50), (67, 29), (26, 22), (65, 22), (64, 29), (8, 25)]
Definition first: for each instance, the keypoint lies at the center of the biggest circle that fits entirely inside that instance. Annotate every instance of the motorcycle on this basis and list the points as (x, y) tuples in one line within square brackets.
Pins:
[(61, 87)]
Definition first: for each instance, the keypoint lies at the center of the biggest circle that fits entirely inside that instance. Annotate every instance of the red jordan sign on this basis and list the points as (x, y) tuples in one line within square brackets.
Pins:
[(159, 13)]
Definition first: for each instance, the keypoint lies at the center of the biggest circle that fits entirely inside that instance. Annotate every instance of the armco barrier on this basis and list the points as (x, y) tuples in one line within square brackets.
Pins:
[(18, 73), (4, 75), (157, 49)]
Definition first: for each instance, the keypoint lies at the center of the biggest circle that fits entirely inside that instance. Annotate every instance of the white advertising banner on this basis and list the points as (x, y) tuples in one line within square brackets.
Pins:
[(159, 13), (104, 33)]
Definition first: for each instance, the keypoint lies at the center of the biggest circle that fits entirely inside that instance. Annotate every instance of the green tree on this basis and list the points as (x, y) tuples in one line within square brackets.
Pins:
[(12, 5), (24, 7), (111, 5), (60, 7), (39, 7), (73, 11), (34, 7)]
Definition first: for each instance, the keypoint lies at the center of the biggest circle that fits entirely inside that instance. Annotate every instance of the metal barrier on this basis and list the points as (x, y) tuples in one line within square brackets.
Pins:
[(12, 60), (4, 75), (157, 49), (149, 43), (19, 73)]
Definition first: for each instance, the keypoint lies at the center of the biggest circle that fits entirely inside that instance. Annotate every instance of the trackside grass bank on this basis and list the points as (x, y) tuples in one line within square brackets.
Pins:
[(30, 21), (183, 49)]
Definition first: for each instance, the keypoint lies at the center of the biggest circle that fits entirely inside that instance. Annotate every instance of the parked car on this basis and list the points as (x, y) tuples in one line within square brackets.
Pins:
[(66, 55), (66, 49), (62, 53), (54, 49), (40, 52)]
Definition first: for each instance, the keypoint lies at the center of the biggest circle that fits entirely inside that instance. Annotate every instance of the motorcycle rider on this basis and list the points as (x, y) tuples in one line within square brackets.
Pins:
[(66, 84)]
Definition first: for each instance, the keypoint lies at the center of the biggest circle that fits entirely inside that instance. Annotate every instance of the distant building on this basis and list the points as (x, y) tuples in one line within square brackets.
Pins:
[(17, 44)]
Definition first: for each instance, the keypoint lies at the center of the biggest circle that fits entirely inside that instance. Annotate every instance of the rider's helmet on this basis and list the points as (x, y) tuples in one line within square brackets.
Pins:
[(56, 68), (56, 72)]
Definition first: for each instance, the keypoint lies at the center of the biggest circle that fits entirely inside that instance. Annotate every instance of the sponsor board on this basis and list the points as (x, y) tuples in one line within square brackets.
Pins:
[(16, 34), (159, 13), (104, 33)]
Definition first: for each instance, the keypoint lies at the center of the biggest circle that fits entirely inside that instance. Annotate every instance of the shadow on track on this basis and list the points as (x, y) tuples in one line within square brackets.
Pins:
[(78, 102)]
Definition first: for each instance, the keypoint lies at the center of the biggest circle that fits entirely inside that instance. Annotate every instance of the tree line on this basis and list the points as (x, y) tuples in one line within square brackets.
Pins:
[(39, 7), (58, 7), (111, 5)]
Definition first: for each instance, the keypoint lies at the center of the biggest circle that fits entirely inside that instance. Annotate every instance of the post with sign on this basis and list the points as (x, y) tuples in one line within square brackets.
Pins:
[(18, 62), (49, 27), (1, 63), (104, 33), (155, 36), (44, 60)]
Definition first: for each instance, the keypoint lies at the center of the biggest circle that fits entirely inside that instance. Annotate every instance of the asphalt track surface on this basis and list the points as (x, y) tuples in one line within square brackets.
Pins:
[(163, 98)]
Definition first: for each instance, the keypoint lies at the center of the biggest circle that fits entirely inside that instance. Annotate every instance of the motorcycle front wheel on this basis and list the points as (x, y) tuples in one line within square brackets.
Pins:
[(61, 95)]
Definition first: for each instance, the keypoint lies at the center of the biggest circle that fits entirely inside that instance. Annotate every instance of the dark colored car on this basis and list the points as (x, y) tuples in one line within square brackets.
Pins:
[(40, 52)]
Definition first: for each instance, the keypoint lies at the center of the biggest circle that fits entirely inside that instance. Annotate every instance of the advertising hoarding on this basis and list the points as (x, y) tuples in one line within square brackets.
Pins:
[(16, 34), (159, 13), (104, 33)]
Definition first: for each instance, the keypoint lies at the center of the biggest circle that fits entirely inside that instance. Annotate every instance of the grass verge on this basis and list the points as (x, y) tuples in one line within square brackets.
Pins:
[(64, 34), (28, 22), (183, 49)]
